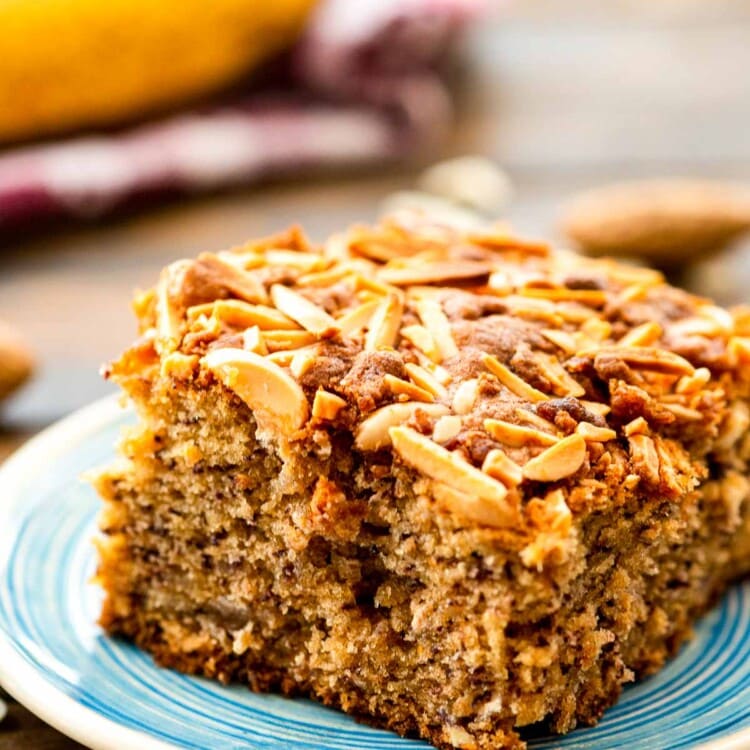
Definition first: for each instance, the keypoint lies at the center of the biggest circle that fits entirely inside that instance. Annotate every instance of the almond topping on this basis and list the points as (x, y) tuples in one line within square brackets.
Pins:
[(684, 412), (269, 391), (168, 314), (694, 382), (557, 462), (211, 271), (565, 384), (252, 341), (481, 510), (434, 319), (302, 360), (500, 466), (594, 434), (327, 405), (420, 337), (511, 381), (738, 350), (311, 317), (643, 358), (465, 396), (645, 334), (357, 319), (306, 262), (639, 426), (446, 428), (435, 272), (596, 407), (425, 379), (372, 433), (278, 340), (644, 458), (565, 341), (241, 314), (448, 467), (597, 329), (411, 392), (516, 435), (385, 323), (593, 297)]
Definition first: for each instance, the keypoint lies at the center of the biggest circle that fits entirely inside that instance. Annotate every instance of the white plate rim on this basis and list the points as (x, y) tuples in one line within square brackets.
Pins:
[(29, 685)]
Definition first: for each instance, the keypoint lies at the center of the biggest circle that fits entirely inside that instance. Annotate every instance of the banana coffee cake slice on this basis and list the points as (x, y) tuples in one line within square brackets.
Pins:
[(453, 484)]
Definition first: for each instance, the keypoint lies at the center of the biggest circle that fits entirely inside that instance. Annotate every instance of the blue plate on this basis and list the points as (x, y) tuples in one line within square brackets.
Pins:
[(109, 695)]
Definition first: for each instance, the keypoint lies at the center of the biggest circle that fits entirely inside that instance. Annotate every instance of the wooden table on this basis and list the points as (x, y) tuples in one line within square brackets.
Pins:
[(564, 95)]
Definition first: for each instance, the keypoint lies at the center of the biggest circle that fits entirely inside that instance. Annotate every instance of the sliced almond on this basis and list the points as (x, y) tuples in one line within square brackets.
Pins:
[(738, 350), (275, 398), (565, 341), (434, 319), (597, 329), (278, 340), (516, 435), (385, 323), (243, 314), (594, 434), (357, 319), (480, 510), (643, 358), (436, 272), (644, 458), (211, 271), (410, 391), (302, 360), (500, 466), (169, 315), (638, 426), (301, 261), (593, 297), (252, 341), (645, 334), (696, 381), (596, 407), (565, 384), (372, 433), (557, 462), (426, 380), (327, 405), (684, 413), (325, 278), (511, 381), (420, 337), (446, 428), (465, 396), (309, 315), (448, 467)]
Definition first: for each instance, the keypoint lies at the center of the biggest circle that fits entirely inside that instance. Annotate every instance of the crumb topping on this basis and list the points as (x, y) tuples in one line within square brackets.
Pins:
[(500, 370)]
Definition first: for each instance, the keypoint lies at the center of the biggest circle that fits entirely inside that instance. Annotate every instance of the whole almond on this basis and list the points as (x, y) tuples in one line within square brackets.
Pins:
[(663, 221)]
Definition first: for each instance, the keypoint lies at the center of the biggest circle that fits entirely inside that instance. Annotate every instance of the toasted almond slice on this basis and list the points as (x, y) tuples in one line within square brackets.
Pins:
[(385, 323), (565, 384), (465, 396), (645, 358), (596, 407), (441, 374), (684, 412), (302, 360), (420, 337), (412, 392), (434, 319), (211, 271), (273, 395), (572, 312), (306, 262), (738, 350), (448, 467), (501, 283), (243, 315), (517, 435), (372, 433), (597, 329), (311, 317), (696, 381), (525, 414), (325, 278), (557, 462), (168, 314), (357, 319), (446, 428), (595, 434), (425, 379), (282, 357), (278, 340), (593, 297), (565, 341), (500, 466), (479, 510), (645, 334), (433, 272), (638, 426), (644, 457), (371, 284), (722, 319), (252, 341), (511, 381), (327, 405)]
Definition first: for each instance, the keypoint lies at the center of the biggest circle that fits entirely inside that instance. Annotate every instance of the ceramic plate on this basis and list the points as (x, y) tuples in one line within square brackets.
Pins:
[(108, 695)]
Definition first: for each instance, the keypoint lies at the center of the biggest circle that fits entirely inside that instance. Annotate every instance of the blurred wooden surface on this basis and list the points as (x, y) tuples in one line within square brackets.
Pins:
[(564, 95)]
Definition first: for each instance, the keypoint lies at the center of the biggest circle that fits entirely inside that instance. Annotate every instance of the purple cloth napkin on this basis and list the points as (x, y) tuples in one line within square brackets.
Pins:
[(362, 86)]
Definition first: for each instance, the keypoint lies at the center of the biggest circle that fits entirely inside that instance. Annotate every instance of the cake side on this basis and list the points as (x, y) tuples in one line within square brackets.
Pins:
[(452, 484)]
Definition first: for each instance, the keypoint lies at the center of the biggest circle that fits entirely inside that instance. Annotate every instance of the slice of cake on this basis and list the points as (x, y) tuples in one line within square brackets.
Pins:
[(453, 484)]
